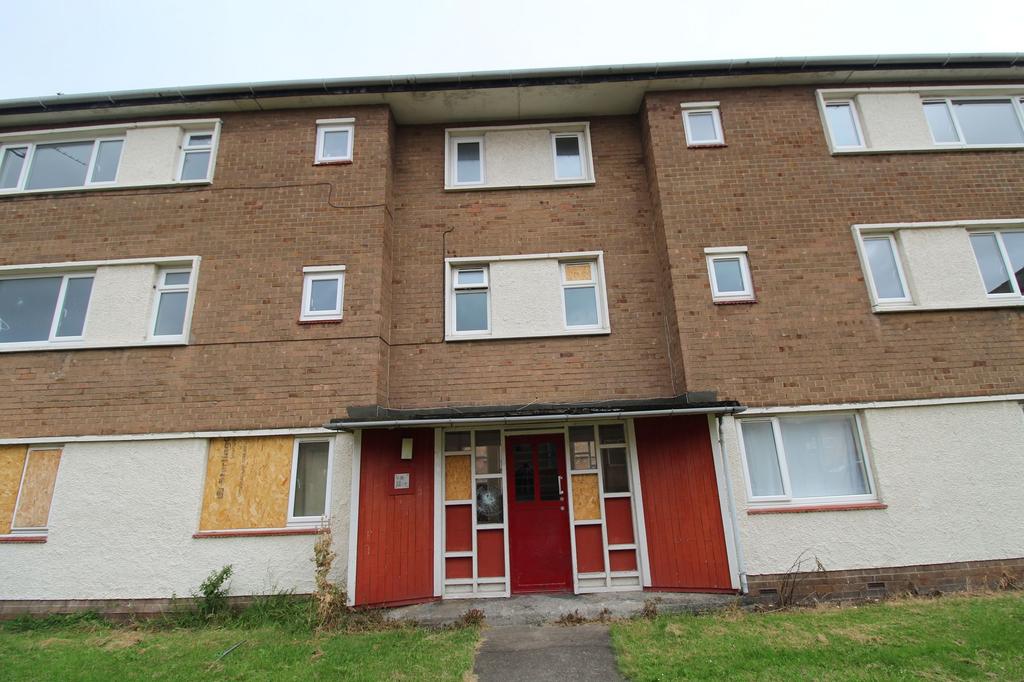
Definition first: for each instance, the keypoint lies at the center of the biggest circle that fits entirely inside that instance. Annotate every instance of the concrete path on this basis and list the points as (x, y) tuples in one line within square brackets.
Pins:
[(537, 609), (550, 652)]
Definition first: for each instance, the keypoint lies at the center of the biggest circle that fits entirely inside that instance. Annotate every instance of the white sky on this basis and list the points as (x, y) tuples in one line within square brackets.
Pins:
[(68, 46)]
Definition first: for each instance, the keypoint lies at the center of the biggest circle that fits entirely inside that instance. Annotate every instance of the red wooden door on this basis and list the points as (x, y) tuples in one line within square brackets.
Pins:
[(685, 534), (538, 540)]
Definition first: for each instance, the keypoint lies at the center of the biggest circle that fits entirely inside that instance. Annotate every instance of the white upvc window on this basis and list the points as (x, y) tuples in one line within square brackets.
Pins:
[(467, 160), (568, 151), (470, 300), (702, 124), (44, 309), (885, 269), (844, 124), (196, 156), (581, 295), (1000, 258), (172, 304), (729, 272), (323, 292), (60, 165), (309, 496), (976, 121), (806, 459), (334, 140)]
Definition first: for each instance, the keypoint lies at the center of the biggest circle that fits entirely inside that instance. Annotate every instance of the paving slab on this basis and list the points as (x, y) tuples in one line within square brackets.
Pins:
[(538, 609), (523, 653)]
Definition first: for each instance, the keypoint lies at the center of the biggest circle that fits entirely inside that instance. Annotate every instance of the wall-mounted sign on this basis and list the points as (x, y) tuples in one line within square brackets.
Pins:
[(402, 481)]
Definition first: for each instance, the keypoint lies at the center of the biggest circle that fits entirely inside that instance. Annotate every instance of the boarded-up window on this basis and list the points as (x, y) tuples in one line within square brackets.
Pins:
[(27, 478), (247, 483)]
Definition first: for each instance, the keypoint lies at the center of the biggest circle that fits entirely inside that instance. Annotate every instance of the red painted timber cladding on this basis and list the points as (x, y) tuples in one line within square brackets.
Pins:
[(458, 567), (619, 518), (589, 549), (685, 536), (622, 559), (490, 553), (458, 528), (395, 553)]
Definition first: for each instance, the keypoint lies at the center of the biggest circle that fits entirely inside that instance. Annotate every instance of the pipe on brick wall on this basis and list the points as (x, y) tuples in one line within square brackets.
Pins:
[(741, 565)]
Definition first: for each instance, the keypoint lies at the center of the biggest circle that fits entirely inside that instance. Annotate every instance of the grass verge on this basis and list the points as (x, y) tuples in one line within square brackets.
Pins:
[(957, 637)]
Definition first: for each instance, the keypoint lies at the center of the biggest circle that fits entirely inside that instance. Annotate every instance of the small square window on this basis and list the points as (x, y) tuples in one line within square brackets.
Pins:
[(730, 274), (843, 125), (334, 142), (468, 161), (702, 124), (323, 292)]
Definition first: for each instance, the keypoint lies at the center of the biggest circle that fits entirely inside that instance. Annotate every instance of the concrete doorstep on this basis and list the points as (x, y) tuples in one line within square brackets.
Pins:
[(549, 652)]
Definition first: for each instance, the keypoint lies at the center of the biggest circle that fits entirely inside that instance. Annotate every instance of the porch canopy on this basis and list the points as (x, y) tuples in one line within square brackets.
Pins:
[(377, 416)]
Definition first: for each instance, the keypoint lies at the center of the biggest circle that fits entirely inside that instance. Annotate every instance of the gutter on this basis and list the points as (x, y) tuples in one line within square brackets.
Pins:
[(341, 425)]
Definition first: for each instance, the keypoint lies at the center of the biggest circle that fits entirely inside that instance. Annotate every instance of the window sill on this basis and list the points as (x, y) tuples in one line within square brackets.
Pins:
[(489, 337), (338, 162), (16, 538), (531, 185), (806, 508), (257, 532), (738, 301), (27, 348), (910, 308), (862, 151), (325, 320), (711, 145), (103, 188)]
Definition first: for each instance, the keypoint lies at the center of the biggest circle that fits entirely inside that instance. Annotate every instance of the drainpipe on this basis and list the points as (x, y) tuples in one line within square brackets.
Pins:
[(741, 564)]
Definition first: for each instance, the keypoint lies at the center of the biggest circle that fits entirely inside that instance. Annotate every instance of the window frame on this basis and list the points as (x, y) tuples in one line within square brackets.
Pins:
[(855, 114), (456, 140), (333, 126), (594, 281), (787, 499), (1017, 293), (582, 154), (32, 530), (455, 287), (876, 299), (314, 273), (716, 117), (1016, 103), (159, 288), (52, 339), (310, 521), (30, 153), (185, 149), (715, 253)]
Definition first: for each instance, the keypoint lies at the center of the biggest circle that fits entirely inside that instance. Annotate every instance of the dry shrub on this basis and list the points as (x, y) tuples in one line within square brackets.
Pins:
[(571, 618), (471, 618), (331, 600), (650, 608)]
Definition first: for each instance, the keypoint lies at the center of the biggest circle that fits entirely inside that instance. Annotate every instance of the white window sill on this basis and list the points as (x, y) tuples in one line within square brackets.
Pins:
[(494, 337), (533, 185), (935, 148), (30, 347), (103, 188), (910, 308), (819, 505)]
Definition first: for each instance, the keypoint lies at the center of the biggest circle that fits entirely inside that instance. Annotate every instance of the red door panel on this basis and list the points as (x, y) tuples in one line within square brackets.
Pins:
[(682, 513), (395, 540), (539, 549)]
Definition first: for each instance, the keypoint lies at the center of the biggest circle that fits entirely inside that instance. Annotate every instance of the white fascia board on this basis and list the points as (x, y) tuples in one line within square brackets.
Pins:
[(725, 249), (574, 126), (88, 264), (332, 121), (50, 132), (886, 404), (889, 227), (461, 260), (846, 93)]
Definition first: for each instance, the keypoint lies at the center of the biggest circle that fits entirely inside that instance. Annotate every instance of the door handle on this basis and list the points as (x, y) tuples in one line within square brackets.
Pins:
[(561, 493)]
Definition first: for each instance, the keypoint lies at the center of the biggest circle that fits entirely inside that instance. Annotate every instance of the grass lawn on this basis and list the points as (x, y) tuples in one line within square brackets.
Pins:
[(92, 650), (953, 637)]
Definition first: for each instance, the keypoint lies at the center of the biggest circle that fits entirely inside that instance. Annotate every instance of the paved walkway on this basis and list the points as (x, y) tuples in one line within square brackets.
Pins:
[(538, 609), (551, 652)]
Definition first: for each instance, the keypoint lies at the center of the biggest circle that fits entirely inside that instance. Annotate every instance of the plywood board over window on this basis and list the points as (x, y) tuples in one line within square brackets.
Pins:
[(586, 501), (37, 489), (12, 465), (457, 475), (247, 483)]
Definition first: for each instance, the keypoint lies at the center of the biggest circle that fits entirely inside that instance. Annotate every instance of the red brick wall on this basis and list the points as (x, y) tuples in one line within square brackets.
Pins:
[(812, 337)]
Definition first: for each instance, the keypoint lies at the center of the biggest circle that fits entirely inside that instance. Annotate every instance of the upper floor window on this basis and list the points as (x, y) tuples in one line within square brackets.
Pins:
[(196, 152), (987, 122), (888, 284), (843, 124), (44, 309), (702, 124), (334, 140), (470, 299), (805, 459), (172, 299), (580, 295), (502, 297), (729, 271), (59, 165), (323, 289), (1000, 256), (527, 155)]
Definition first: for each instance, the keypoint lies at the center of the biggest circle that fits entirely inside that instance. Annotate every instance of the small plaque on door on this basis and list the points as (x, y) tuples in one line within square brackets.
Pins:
[(402, 481)]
